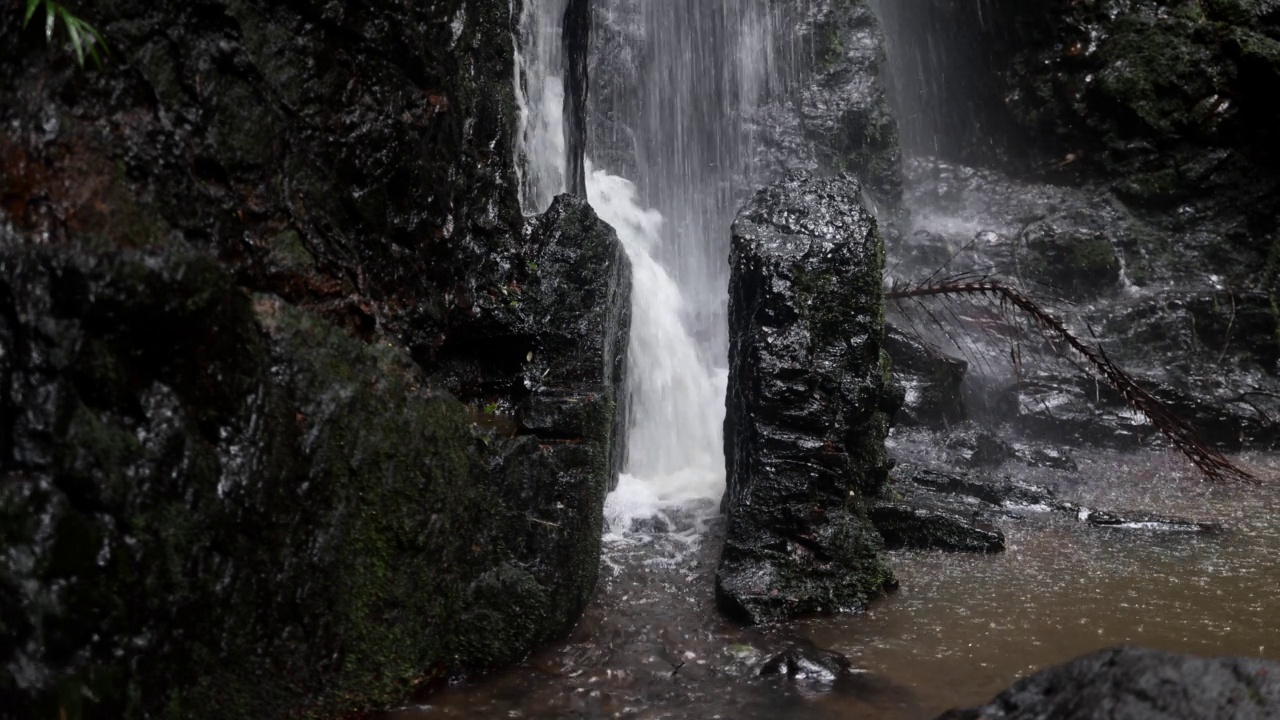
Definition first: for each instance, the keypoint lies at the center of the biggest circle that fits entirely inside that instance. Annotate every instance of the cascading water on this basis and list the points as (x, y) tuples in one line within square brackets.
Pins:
[(683, 122)]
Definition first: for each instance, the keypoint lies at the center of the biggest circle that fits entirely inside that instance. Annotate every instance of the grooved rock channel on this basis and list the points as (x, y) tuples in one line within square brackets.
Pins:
[(297, 411), (808, 404)]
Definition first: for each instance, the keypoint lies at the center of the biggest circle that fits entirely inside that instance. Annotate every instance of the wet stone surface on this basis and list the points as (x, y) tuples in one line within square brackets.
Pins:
[(964, 511), (1202, 340), (806, 662), (1142, 685), (808, 404), (297, 411)]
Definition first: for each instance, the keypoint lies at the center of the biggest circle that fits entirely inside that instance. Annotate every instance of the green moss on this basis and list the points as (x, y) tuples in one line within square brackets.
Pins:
[(290, 251)]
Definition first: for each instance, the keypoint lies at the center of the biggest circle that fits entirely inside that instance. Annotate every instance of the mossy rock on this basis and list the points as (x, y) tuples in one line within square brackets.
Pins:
[(1072, 256), (220, 505)]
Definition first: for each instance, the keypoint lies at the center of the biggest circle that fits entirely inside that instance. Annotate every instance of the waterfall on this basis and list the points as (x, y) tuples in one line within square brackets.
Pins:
[(678, 127)]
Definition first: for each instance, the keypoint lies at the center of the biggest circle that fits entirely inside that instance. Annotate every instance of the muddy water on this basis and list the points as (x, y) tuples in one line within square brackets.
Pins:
[(960, 628)]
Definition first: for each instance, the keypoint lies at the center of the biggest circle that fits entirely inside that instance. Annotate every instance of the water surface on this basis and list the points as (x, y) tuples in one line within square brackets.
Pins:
[(960, 628)]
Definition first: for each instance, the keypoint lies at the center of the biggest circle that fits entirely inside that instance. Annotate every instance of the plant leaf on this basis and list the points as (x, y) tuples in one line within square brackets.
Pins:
[(73, 30), (31, 10), (97, 41), (48, 21)]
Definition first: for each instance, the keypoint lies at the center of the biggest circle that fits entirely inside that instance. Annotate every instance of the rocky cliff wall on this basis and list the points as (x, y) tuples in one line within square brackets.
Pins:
[(297, 412)]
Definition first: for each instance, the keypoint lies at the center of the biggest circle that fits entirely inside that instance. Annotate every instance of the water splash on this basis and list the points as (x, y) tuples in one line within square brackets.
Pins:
[(675, 463)]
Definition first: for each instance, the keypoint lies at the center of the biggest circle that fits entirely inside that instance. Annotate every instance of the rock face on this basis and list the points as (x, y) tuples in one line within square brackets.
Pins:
[(1172, 96), (808, 404), (297, 412), (930, 382), (1204, 344), (1139, 684), (1169, 104), (835, 115), (799, 82)]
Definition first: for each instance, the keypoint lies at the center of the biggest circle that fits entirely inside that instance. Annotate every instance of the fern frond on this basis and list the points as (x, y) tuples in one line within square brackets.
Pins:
[(1184, 437)]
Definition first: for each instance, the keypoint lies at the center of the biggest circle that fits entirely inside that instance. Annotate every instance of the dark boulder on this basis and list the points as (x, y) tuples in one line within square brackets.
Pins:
[(808, 404), (223, 505), (1139, 684)]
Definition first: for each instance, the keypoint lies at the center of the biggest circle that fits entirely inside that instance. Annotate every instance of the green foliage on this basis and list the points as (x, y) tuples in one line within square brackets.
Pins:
[(83, 35)]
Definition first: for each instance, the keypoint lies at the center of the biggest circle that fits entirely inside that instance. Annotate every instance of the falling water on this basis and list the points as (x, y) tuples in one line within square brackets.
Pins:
[(676, 126), (943, 62)]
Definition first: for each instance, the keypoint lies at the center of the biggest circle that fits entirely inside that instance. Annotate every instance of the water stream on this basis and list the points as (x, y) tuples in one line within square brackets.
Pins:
[(672, 153)]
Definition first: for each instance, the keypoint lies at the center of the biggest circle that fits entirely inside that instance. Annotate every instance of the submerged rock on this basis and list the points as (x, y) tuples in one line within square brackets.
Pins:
[(808, 404), (807, 662), (1141, 685)]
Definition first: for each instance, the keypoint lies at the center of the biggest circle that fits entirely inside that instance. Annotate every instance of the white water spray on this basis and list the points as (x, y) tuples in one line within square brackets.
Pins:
[(675, 440)]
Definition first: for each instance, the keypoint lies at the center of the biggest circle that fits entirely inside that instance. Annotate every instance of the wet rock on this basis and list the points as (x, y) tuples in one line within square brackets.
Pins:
[(808, 404), (1203, 346), (962, 512), (839, 120), (811, 101), (1167, 99), (930, 382), (1167, 105), (914, 525), (1145, 521), (807, 662), (949, 100), (979, 447), (934, 511), (974, 487), (209, 496), (1138, 683), (1072, 255), (1234, 410), (247, 270)]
